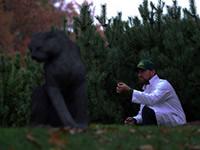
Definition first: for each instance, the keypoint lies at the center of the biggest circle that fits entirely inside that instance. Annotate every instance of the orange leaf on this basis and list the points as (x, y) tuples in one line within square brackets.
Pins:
[(32, 139), (55, 139), (146, 147)]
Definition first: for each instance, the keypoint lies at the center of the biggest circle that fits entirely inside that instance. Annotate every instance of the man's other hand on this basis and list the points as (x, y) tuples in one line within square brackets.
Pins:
[(130, 121)]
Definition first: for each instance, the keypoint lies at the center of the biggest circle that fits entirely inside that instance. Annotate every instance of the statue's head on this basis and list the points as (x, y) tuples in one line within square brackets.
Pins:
[(45, 46)]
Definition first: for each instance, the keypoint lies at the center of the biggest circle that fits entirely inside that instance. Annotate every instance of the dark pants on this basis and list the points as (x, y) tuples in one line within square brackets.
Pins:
[(148, 116)]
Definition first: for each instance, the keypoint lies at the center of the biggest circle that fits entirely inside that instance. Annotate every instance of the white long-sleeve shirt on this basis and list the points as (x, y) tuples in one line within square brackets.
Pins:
[(160, 96)]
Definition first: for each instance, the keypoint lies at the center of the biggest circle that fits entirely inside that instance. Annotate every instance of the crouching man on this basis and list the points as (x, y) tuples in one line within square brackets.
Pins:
[(159, 103)]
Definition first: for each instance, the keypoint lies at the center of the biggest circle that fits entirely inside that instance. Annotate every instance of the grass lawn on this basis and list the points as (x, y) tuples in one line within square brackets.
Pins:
[(100, 137)]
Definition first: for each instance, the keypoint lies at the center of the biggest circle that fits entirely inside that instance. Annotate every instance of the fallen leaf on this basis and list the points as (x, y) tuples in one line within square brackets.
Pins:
[(33, 140), (166, 140), (194, 147), (164, 130), (132, 130), (100, 131), (72, 130), (55, 139), (198, 131), (11, 148), (148, 136), (146, 147)]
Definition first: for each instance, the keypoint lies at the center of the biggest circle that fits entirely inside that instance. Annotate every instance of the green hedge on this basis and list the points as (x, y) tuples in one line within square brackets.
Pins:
[(16, 83), (170, 40)]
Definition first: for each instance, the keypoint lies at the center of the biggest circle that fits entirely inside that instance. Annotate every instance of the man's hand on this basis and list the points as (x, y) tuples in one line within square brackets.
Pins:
[(122, 87), (130, 121)]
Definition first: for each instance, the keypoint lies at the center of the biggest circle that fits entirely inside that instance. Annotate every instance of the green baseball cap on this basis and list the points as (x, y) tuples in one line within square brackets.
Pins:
[(145, 64)]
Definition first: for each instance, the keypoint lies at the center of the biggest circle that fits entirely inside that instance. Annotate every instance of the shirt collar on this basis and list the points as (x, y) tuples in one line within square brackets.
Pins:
[(154, 79)]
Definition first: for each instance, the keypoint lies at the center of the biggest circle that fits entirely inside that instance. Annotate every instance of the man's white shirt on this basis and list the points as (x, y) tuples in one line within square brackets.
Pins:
[(160, 96)]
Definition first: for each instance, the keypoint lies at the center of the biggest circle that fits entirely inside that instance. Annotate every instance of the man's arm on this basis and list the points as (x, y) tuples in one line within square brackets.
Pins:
[(123, 88), (161, 93), (138, 117)]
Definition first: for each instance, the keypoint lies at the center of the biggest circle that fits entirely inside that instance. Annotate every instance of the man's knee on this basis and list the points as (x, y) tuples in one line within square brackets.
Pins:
[(148, 116)]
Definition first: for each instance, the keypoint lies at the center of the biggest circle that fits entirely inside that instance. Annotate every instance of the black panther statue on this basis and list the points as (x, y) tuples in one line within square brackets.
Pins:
[(62, 100)]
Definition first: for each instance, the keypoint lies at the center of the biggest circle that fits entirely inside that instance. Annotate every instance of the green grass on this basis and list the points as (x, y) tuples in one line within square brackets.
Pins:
[(100, 137)]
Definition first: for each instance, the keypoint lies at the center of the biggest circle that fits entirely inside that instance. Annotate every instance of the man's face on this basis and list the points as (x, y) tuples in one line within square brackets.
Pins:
[(145, 75)]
